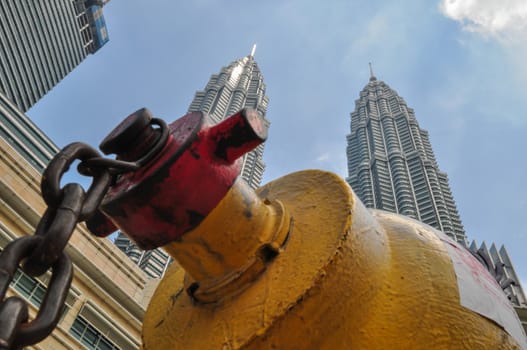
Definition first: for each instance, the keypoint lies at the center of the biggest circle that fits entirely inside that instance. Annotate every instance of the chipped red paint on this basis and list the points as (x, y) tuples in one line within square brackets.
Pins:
[(172, 193)]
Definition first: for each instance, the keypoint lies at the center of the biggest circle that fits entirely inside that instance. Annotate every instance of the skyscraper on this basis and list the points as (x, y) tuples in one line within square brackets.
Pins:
[(24, 136), (391, 164), (41, 41), (238, 85)]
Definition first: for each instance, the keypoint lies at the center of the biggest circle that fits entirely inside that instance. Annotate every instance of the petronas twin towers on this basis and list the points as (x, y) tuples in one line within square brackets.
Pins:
[(391, 163), (390, 159)]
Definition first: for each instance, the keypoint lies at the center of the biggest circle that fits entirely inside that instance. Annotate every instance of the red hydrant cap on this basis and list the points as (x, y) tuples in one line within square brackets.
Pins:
[(173, 192)]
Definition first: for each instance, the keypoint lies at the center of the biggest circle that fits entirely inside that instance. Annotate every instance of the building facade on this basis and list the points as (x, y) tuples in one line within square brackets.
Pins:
[(238, 85), (41, 41), (391, 164), (17, 130), (109, 294)]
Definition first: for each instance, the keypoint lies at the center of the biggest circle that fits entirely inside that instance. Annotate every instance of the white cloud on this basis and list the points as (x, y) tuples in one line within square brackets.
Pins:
[(505, 19), (323, 157)]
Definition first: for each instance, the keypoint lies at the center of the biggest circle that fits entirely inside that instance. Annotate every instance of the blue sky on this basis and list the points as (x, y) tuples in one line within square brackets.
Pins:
[(458, 63)]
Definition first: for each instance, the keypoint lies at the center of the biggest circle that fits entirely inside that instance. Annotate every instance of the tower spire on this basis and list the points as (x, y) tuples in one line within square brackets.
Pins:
[(253, 50), (372, 77)]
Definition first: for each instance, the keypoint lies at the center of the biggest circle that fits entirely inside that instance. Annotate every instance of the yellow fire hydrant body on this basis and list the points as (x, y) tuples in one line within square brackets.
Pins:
[(332, 275)]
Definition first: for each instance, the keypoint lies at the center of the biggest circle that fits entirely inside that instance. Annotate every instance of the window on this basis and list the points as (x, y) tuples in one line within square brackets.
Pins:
[(29, 288), (33, 291), (89, 336), (96, 331)]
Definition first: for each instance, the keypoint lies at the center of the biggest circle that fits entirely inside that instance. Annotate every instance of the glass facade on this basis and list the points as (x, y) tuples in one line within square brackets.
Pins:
[(41, 41), (24, 136)]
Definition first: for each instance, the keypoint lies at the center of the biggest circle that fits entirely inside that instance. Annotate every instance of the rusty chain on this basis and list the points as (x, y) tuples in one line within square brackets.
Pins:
[(66, 207)]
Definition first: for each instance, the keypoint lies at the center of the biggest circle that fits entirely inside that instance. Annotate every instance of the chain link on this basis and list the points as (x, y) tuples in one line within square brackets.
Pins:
[(66, 207)]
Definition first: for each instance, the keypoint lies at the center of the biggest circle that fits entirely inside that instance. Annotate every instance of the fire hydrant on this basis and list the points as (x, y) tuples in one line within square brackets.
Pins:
[(298, 264)]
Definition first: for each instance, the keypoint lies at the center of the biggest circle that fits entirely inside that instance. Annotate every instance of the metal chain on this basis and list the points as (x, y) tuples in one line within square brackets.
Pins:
[(66, 207)]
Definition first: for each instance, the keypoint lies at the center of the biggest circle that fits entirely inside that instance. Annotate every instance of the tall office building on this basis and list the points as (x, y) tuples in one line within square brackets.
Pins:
[(391, 164), (41, 41), (392, 167), (238, 85)]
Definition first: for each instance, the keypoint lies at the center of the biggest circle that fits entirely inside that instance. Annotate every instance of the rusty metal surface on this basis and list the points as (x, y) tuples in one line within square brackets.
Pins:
[(158, 203), (220, 264), (136, 143)]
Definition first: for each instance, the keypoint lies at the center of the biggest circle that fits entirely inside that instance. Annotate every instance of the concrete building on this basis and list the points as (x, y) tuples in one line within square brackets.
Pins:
[(392, 167), (41, 41), (391, 164), (238, 85), (105, 306)]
